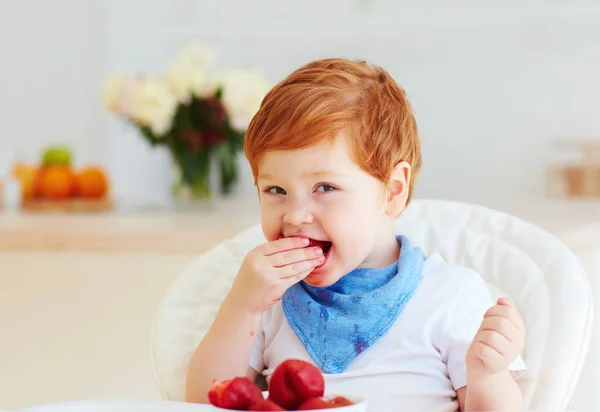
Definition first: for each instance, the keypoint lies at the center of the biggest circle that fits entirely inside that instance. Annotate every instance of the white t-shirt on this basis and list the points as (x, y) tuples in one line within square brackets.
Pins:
[(419, 363)]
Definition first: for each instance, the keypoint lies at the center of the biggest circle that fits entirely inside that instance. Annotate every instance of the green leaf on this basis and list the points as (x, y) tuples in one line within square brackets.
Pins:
[(227, 162), (149, 135), (234, 137), (229, 172)]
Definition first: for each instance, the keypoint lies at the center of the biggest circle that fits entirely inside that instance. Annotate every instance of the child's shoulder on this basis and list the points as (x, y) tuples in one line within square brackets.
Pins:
[(451, 282), (437, 269)]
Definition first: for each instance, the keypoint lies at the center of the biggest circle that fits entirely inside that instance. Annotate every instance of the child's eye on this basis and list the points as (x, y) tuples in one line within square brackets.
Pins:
[(275, 190), (325, 188)]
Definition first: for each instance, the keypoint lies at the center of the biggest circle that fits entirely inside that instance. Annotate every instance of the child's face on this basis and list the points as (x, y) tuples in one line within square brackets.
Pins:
[(320, 193)]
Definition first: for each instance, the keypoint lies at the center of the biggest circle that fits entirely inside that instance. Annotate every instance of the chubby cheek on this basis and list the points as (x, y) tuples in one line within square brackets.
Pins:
[(271, 225), (271, 231), (354, 250), (353, 242)]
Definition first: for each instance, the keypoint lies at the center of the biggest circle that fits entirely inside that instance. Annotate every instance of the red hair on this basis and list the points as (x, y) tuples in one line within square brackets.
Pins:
[(325, 97)]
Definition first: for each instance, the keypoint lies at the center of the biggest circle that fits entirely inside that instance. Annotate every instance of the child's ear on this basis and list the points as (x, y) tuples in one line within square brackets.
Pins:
[(398, 189)]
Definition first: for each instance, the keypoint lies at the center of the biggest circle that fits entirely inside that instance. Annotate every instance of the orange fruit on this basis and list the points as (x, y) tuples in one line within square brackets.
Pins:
[(26, 174), (55, 182), (92, 182), (28, 184)]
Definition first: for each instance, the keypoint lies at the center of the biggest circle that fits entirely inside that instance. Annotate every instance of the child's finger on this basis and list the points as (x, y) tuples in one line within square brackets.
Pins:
[(498, 310), (501, 310), (489, 356), (500, 325), (494, 340), (295, 255), (292, 280), (283, 244), (508, 312), (504, 301), (294, 270)]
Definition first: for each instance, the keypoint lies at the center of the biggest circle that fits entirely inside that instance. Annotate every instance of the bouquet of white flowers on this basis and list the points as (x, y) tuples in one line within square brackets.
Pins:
[(195, 115)]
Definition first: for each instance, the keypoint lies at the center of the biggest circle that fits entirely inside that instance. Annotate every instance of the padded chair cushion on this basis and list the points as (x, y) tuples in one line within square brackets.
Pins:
[(542, 276)]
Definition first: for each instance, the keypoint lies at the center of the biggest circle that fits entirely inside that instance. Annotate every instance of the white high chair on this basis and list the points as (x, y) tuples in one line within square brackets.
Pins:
[(542, 276)]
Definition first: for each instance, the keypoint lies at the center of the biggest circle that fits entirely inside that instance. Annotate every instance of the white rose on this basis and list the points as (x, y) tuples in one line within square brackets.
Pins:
[(112, 90), (208, 88), (152, 104), (243, 92), (184, 81), (186, 75), (161, 125)]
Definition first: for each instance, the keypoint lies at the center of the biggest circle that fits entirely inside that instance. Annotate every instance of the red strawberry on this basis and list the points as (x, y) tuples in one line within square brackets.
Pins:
[(265, 405), (216, 392), (315, 403), (237, 393), (325, 403), (341, 401), (295, 381)]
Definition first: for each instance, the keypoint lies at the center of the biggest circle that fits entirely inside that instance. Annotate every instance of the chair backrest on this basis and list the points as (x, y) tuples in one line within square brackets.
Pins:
[(517, 259)]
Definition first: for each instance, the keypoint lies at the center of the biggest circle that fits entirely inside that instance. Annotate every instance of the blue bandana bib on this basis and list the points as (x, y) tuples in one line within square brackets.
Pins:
[(339, 322)]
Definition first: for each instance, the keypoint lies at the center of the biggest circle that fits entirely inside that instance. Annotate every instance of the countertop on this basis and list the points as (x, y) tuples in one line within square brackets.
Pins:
[(193, 231)]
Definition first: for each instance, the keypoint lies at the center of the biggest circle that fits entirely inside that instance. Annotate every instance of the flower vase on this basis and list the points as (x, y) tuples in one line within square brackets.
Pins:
[(185, 199), (197, 190)]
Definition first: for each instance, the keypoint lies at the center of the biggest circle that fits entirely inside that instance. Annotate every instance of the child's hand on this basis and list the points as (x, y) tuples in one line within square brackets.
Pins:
[(270, 269), (498, 342)]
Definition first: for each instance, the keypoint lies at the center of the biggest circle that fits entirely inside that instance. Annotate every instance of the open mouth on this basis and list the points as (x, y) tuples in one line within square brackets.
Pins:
[(323, 244), (326, 247)]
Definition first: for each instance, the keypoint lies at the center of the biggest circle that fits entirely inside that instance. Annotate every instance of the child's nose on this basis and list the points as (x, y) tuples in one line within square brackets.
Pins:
[(298, 214)]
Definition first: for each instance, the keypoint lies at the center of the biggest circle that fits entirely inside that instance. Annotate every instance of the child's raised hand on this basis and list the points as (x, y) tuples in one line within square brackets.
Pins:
[(499, 340), (270, 269)]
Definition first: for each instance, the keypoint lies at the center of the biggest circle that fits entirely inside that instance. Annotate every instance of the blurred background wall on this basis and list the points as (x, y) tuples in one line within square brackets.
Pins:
[(492, 83)]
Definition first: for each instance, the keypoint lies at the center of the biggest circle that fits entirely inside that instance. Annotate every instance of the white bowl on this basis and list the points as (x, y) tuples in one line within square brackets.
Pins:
[(360, 405)]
